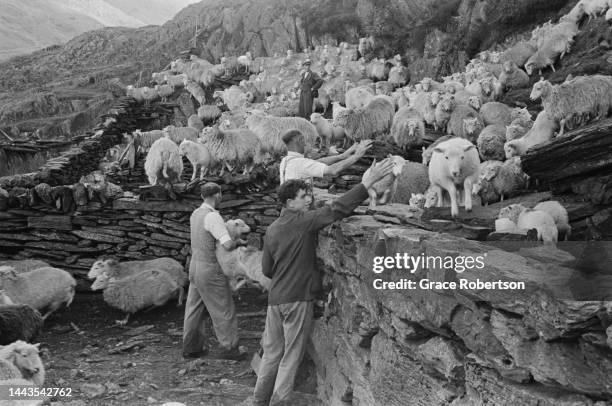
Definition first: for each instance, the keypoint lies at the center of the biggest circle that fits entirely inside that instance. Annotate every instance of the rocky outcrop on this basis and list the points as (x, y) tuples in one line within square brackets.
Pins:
[(537, 345)]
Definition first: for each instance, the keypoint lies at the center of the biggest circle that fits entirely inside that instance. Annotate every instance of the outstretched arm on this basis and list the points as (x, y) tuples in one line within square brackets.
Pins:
[(359, 150)]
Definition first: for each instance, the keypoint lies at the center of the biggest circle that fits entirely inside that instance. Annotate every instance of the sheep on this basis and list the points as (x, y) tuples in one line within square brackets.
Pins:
[(541, 221), (160, 77), (427, 152), (176, 80), (492, 89), (202, 63), (135, 93), (499, 180), (179, 134), (208, 113), (454, 162), (18, 322), (26, 358), (164, 91), (24, 265), (336, 109), (555, 45), (495, 113), (231, 148), (399, 76), (408, 128), (413, 179), (491, 142), (246, 61), (194, 122), (198, 155), (444, 110), (384, 88), (8, 371), (242, 262), (164, 164), (512, 77), (367, 122), (425, 104), (511, 212), (141, 290), (195, 90), (326, 130), (468, 99), (387, 186), (541, 132), (579, 98), (150, 95), (593, 8), (42, 288), (457, 122), (358, 97), (514, 131), (559, 215), (505, 226), (378, 70), (144, 140), (234, 98), (430, 85), (518, 54)]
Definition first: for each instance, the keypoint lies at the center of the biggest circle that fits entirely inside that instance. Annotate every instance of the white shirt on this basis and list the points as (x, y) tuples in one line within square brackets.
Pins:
[(296, 166), (214, 224)]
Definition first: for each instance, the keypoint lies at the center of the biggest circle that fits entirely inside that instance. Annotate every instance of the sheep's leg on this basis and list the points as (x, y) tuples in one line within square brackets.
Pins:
[(439, 199), (239, 285), (229, 167), (561, 127), (385, 196), (467, 199), (181, 297), (52, 307), (195, 171), (452, 191), (373, 197), (124, 321)]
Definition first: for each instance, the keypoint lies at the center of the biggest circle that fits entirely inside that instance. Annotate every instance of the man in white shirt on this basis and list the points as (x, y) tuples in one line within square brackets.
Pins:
[(296, 166), (209, 288)]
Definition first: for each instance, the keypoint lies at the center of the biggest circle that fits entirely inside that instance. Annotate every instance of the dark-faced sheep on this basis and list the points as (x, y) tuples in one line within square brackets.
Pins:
[(26, 359), (462, 116), (239, 148), (491, 142), (43, 288), (19, 322), (408, 128), (370, 121), (499, 180), (145, 289), (164, 164)]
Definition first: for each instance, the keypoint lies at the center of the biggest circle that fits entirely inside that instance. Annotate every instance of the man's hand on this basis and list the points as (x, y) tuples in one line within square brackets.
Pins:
[(376, 172), (363, 146)]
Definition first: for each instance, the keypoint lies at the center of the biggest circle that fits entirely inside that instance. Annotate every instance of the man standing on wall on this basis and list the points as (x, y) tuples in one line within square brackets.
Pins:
[(310, 83), (208, 286), (289, 259)]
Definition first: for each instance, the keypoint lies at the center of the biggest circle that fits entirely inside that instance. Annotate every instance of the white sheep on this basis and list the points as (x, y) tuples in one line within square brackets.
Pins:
[(26, 359), (43, 288), (164, 164), (208, 113), (408, 128), (495, 113), (578, 99), (454, 162), (136, 93), (179, 134), (552, 42), (593, 8), (373, 119), (518, 53), (233, 148), (327, 130), (399, 76), (145, 289), (176, 80), (270, 129), (559, 215), (541, 132), (491, 142), (242, 262), (358, 97), (164, 91), (505, 225), (18, 322), (336, 109), (512, 77), (198, 155), (382, 191), (246, 61), (430, 85), (444, 110), (511, 212), (465, 122), (194, 122), (541, 221), (499, 180)]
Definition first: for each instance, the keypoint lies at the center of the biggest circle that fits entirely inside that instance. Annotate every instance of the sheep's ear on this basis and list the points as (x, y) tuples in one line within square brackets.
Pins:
[(37, 345), (469, 147), (439, 150)]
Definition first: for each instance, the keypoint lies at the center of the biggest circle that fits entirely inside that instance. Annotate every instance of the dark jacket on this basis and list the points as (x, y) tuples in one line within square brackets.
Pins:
[(307, 85), (289, 252)]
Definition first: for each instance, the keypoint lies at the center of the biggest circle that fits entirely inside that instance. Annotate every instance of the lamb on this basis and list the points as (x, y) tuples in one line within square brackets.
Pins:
[(454, 162), (208, 113), (242, 262), (179, 134), (336, 109), (327, 131), (42, 288), (148, 288), (408, 128), (164, 164), (541, 221), (491, 142), (499, 180), (18, 322), (399, 76), (246, 61), (541, 132), (367, 122), (495, 113), (26, 359), (164, 91), (358, 97), (579, 98), (512, 77), (460, 118), (198, 155), (518, 54), (559, 215), (194, 122), (382, 191), (444, 110), (425, 104), (240, 147)]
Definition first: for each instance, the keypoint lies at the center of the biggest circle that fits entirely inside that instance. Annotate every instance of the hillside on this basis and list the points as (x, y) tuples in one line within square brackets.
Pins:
[(435, 37)]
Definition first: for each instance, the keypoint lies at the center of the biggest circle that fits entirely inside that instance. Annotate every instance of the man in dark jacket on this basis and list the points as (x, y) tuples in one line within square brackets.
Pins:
[(289, 259), (309, 82)]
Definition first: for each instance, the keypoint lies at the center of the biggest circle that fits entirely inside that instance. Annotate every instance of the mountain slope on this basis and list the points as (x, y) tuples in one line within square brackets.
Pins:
[(151, 12), (105, 13)]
